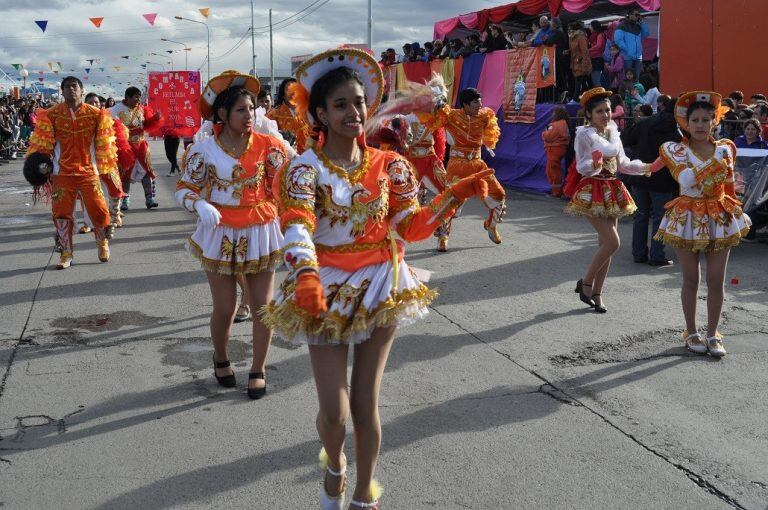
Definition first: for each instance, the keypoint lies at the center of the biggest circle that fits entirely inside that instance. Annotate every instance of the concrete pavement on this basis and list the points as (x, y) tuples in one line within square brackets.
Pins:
[(509, 395)]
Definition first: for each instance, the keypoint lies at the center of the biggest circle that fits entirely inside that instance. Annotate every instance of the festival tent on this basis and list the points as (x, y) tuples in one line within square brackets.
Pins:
[(567, 9)]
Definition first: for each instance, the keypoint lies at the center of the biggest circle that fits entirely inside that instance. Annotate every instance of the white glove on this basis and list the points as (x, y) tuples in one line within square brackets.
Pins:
[(208, 214), (205, 131)]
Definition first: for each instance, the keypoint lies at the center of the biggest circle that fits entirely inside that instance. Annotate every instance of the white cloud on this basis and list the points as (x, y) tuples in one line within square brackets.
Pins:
[(72, 39)]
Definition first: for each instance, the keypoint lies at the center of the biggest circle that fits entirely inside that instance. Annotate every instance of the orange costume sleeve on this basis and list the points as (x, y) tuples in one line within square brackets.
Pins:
[(491, 132), (439, 138), (150, 121), (104, 142), (411, 221), (42, 139), (730, 184), (125, 157)]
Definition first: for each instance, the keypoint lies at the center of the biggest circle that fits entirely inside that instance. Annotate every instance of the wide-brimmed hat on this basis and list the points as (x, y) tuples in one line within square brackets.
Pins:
[(591, 94), (316, 67), (222, 82), (697, 96)]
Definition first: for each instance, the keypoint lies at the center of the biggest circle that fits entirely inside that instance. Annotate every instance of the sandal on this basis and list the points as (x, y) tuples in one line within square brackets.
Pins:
[(694, 343), (256, 393), (243, 313), (228, 381), (376, 491), (328, 502), (715, 345)]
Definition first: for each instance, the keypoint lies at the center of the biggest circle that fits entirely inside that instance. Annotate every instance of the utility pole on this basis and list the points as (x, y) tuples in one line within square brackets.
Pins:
[(253, 44), (370, 25), (271, 59)]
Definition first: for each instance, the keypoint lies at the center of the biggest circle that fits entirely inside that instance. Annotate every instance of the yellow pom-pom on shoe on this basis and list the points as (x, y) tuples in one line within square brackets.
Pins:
[(323, 459), (376, 489)]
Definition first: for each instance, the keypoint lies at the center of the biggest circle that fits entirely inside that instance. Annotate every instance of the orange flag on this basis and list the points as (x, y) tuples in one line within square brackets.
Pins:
[(96, 21), (206, 11)]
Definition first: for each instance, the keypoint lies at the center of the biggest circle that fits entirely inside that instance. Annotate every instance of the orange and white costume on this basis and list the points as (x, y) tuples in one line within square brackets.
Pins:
[(288, 120), (345, 225), (137, 120), (82, 146), (600, 193), (469, 134), (426, 152), (248, 238), (706, 216)]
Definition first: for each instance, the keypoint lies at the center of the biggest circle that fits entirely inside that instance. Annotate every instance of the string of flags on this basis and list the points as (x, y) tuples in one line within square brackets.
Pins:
[(148, 17)]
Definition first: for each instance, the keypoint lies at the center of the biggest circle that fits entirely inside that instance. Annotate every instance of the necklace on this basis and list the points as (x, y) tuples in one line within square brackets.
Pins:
[(351, 175), (231, 148)]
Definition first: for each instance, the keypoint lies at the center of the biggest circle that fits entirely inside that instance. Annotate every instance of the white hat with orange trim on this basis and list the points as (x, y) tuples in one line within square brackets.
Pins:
[(697, 96), (316, 67), (222, 82)]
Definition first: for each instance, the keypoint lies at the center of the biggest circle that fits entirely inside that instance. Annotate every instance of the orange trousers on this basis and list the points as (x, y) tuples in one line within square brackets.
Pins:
[(65, 190), (458, 168), (555, 155)]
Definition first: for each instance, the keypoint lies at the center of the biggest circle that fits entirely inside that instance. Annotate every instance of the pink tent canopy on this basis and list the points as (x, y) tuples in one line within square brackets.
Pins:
[(479, 20)]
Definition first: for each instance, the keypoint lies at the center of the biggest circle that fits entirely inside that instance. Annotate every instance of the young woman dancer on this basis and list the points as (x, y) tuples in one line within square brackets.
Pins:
[(227, 181), (347, 211), (706, 219), (600, 196)]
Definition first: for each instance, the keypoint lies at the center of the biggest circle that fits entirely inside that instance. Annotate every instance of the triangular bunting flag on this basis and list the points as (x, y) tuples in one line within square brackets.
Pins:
[(101, 69), (43, 24), (56, 72), (117, 68), (96, 21), (90, 61), (126, 57), (205, 11), (87, 70), (169, 51), (16, 66), (143, 66), (59, 64), (150, 18), (50, 66)]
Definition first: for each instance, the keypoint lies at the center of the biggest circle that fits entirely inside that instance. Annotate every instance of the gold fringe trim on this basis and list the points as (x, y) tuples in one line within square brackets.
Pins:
[(263, 264), (575, 209), (701, 245), (292, 321)]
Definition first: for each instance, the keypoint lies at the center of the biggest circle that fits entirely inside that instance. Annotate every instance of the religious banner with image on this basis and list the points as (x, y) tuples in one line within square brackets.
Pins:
[(545, 65), (521, 77), (176, 95)]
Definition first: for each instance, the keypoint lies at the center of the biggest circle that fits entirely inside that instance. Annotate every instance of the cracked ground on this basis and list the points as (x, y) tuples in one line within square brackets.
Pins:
[(508, 395)]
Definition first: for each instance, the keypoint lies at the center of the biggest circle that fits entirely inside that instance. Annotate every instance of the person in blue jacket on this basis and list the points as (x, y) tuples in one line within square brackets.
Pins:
[(629, 38)]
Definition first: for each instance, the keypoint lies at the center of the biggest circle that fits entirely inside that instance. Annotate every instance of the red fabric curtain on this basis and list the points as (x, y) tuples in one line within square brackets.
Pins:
[(418, 72), (499, 14)]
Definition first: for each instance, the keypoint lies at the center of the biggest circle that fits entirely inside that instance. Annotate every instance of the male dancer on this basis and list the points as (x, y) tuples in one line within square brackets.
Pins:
[(74, 142), (137, 118), (471, 127)]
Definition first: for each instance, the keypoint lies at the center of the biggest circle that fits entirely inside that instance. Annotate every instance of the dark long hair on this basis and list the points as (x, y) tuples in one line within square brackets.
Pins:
[(281, 90), (227, 100), (327, 83)]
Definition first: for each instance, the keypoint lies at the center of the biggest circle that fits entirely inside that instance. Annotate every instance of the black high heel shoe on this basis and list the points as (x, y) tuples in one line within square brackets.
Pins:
[(228, 381), (579, 290), (256, 393), (599, 308)]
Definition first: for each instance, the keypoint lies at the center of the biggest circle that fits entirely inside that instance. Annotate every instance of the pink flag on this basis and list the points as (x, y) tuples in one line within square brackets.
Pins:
[(150, 18)]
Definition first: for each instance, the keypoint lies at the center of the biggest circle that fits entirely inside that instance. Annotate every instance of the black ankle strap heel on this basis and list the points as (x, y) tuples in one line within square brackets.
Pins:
[(256, 393)]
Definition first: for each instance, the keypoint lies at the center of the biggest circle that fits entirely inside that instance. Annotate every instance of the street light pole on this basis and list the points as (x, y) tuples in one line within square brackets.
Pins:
[(163, 56), (370, 25), (271, 59), (156, 63), (186, 51), (208, 31), (253, 44)]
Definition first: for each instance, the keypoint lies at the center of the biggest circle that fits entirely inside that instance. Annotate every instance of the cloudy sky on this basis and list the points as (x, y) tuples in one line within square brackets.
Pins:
[(306, 26)]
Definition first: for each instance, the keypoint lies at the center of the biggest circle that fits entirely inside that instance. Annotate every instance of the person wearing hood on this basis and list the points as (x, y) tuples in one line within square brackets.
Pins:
[(651, 193), (629, 38), (635, 96), (581, 63)]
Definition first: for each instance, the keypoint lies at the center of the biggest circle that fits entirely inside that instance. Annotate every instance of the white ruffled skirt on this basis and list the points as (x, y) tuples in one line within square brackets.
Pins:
[(229, 250), (358, 302)]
